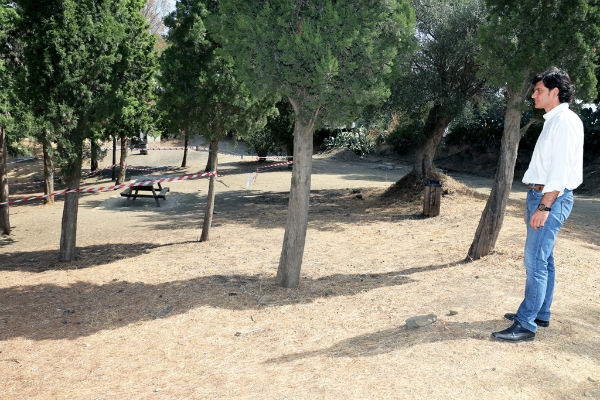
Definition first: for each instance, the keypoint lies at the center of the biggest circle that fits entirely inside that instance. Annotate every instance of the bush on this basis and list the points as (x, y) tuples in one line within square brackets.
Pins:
[(262, 143), (405, 138), (277, 135), (358, 140)]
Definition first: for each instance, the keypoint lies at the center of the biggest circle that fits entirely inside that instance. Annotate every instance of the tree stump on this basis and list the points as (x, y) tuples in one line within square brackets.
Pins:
[(432, 198)]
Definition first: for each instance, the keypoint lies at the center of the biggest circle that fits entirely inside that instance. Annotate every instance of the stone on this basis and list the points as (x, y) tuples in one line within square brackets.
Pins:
[(452, 312), (329, 292), (591, 379), (420, 321)]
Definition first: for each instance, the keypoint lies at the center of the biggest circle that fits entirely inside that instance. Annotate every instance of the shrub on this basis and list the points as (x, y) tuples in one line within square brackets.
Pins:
[(358, 140)]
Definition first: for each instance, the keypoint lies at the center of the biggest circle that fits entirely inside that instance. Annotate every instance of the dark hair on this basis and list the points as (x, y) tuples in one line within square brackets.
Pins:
[(557, 78)]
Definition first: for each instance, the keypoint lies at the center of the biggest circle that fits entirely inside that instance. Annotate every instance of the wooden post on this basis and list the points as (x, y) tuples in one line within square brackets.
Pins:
[(432, 198)]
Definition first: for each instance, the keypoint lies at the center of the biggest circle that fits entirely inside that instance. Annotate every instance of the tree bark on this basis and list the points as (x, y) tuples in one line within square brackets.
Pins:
[(210, 160), (435, 126), (68, 234), (210, 200), (493, 213), (94, 156), (48, 171), (123, 161), (4, 209), (114, 157), (185, 151), (290, 262)]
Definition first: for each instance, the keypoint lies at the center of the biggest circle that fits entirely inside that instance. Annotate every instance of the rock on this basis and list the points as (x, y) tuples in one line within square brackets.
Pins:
[(354, 191), (452, 312), (594, 393), (420, 321), (359, 196), (329, 292), (592, 379)]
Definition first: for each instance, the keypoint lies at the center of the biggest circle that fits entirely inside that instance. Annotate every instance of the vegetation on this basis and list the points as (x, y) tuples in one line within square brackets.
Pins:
[(329, 60), (517, 42)]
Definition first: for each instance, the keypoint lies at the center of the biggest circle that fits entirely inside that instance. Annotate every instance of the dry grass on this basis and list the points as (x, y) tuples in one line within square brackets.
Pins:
[(148, 312)]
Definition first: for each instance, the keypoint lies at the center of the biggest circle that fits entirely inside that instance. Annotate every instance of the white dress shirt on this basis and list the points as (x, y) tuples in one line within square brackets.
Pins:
[(557, 160)]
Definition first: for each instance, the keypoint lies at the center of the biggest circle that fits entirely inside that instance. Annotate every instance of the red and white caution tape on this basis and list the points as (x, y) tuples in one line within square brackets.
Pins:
[(115, 187), (252, 175)]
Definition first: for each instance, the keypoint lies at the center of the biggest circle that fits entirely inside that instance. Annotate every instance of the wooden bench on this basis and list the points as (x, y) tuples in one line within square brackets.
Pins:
[(133, 191)]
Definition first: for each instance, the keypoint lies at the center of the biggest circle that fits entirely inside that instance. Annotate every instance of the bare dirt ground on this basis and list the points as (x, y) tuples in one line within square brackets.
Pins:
[(148, 312)]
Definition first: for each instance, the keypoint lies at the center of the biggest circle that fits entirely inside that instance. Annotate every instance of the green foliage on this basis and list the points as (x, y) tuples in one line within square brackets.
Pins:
[(358, 140), (442, 69), (13, 116), (329, 58), (591, 124), (133, 77), (277, 135), (406, 136), (479, 127), (71, 48), (524, 37), (199, 91)]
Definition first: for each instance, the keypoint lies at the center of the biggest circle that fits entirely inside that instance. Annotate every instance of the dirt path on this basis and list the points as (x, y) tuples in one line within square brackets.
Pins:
[(148, 312)]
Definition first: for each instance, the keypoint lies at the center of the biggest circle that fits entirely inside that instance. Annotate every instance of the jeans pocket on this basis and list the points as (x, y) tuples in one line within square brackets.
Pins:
[(566, 205)]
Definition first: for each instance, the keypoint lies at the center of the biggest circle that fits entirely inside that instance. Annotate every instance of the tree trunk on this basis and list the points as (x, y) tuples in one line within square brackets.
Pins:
[(210, 160), (185, 151), (123, 161), (94, 156), (210, 200), (493, 213), (288, 272), (68, 234), (114, 158), (4, 209), (48, 171), (435, 126)]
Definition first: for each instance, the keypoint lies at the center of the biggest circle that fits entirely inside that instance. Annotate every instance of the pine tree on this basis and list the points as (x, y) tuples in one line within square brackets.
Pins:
[(329, 59), (522, 38)]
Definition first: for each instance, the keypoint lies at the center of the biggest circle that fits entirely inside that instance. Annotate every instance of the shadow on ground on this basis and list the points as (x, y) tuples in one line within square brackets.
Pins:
[(388, 340), (88, 256), (329, 209), (49, 311)]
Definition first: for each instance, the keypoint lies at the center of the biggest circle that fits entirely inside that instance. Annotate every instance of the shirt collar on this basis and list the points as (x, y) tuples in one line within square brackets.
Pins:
[(556, 110)]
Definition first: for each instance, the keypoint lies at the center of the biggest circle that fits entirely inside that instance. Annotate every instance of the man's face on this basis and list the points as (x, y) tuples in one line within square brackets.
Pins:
[(543, 97)]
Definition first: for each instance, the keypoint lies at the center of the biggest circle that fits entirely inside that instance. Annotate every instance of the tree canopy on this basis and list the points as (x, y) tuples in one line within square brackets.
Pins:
[(329, 59)]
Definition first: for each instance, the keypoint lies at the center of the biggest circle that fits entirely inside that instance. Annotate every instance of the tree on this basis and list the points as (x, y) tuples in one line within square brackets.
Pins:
[(71, 48), (328, 59), (523, 38), (8, 71), (442, 72), (200, 88), (182, 75), (132, 85)]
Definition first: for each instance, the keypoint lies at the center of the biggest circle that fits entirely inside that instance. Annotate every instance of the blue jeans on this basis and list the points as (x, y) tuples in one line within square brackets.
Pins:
[(539, 260)]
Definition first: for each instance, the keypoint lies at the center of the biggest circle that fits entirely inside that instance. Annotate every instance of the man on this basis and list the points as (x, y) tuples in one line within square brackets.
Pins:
[(556, 168)]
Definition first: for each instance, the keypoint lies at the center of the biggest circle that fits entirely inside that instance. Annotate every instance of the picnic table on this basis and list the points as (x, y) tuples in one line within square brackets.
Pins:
[(157, 193)]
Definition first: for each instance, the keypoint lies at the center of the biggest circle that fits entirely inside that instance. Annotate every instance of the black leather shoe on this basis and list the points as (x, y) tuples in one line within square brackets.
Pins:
[(538, 322), (516, 333)]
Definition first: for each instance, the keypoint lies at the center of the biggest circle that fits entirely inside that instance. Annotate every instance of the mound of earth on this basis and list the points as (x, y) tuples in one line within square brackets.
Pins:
[(341, 154), (411, 188)]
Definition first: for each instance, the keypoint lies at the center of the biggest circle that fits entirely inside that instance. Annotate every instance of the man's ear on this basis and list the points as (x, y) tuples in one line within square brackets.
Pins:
[(555, 91)]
